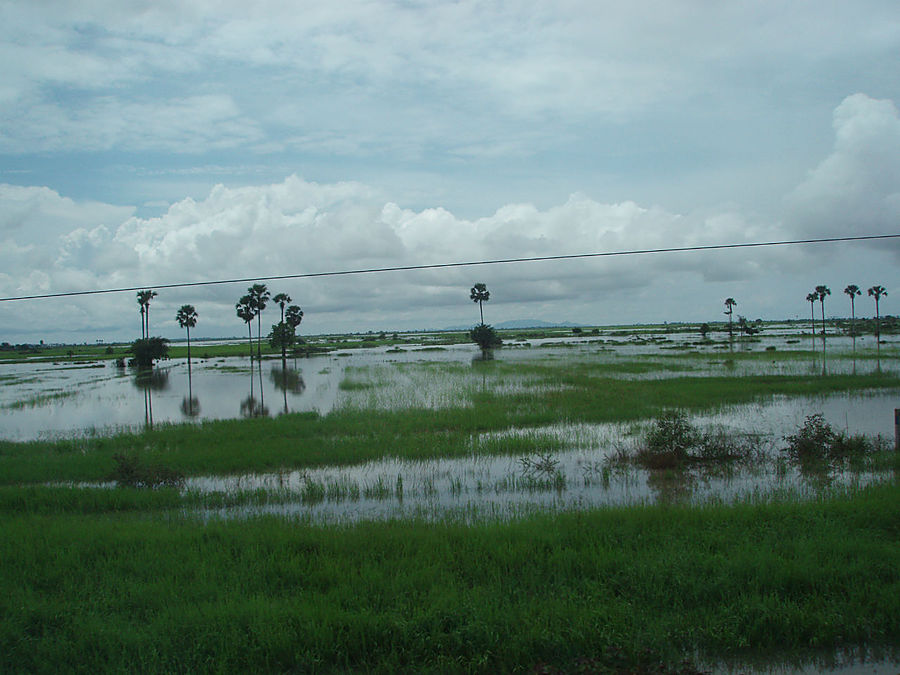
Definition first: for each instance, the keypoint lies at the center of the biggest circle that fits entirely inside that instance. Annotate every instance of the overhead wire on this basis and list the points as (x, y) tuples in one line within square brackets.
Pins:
[(472, 263)]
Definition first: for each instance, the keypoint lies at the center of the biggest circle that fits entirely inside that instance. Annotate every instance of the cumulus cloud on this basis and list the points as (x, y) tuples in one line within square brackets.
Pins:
[(856, 189), (297, 227), (51, 244)]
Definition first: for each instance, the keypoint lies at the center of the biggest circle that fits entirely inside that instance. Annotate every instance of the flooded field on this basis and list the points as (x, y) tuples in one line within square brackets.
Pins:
[(580, 467), (434, 470), (585, 475), (46, 400)]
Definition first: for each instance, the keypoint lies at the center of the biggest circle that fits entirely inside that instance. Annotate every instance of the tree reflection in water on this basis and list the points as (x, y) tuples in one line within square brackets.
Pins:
[(250, 407), (287, 380), (190, 406), (149, 380)]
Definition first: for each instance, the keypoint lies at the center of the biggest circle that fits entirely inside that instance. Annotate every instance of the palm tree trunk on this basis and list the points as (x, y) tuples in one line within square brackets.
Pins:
[(481, 311), (189, 347), (259, 337), (877, 324)]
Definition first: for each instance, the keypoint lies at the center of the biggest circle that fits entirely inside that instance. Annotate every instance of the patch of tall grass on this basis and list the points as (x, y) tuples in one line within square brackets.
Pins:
[(124, 592)]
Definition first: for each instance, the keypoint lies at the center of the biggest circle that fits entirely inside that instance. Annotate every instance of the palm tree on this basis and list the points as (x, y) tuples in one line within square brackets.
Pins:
[(144, 298), (821, 292), (811, 299), (259, 296), (187, 318), (730, 304), (244, 309), (140, 301), (852, 290), (294, 316), (480, 294), (876, 292), (281, 300)]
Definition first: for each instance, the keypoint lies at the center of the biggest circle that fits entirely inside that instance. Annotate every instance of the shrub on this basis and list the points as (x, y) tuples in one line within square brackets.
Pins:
[(130, 472), (673, 432), (816, 440), (485, 337), (812, 441), (148, 350), (674, 440)]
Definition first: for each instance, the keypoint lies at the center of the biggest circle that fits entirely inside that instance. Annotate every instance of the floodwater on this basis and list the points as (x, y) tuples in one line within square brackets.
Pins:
[(584, 476), (46, 400)]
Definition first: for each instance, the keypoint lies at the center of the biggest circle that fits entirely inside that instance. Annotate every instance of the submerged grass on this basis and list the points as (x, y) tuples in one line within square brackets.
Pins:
[(118, 591)]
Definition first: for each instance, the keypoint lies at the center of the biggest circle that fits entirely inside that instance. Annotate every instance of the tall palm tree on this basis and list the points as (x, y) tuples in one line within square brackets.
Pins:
[(294, 316), (281, 300), (187, 318), (259, 297), (876, 292), (140, 301), (811, 299), (480, 294), (852, 290), (821, 292), (730, 304), (244, 309), (144, 298)]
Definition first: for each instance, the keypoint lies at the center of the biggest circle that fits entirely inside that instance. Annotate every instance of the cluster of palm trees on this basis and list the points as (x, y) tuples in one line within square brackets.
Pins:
[(251, 306), (852, 290)]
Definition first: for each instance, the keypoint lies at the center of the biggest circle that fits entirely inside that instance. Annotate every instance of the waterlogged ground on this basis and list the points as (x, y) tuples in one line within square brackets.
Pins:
[(46, 400), (584, 476)]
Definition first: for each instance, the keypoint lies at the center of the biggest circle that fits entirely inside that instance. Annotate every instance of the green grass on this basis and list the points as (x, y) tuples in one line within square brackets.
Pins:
[(118, 591)]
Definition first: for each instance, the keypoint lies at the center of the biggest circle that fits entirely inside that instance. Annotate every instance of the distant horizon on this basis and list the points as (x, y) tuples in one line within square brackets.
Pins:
[(503, 326)]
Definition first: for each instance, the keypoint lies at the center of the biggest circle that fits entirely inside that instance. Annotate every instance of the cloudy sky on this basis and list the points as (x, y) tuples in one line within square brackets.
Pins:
[(165, 142)]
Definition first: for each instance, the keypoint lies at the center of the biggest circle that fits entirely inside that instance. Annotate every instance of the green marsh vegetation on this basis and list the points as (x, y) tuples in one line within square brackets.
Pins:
[(117, 590), (140, 580)]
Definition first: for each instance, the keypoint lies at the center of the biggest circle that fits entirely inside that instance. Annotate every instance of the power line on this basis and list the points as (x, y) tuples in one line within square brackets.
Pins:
[(500, 261)]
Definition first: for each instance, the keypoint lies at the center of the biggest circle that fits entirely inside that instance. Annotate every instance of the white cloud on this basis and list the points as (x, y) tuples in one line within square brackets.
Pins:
[(52, 243), (856, 189)]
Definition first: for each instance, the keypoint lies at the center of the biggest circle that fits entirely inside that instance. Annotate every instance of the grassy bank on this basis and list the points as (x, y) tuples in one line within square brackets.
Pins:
[(118, 591)]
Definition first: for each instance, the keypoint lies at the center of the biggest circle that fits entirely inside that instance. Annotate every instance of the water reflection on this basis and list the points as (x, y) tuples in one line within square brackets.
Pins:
[(287, 380), (190, 406), (148, 381), (250, 407), (50, 400)]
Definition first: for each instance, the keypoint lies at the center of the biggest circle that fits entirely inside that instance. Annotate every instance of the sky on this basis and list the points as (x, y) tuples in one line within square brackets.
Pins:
[(144, 144)]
